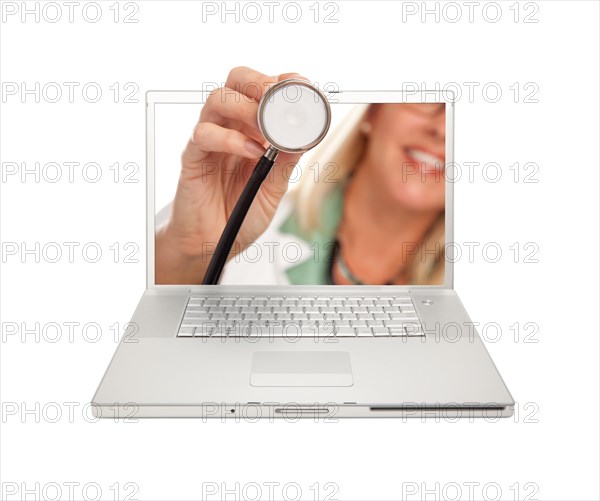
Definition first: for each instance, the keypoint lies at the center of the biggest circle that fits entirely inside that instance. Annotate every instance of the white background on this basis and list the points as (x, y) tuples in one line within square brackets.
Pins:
[(549, 450)]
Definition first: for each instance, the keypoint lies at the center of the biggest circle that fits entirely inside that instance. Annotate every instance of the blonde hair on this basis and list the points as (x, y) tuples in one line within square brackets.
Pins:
[(332, 162)]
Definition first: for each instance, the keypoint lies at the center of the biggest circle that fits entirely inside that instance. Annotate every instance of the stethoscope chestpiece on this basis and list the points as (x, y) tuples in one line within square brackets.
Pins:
[(294, 116)]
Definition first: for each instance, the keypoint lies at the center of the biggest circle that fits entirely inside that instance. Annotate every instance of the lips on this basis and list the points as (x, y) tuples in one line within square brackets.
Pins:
[(426, 159)]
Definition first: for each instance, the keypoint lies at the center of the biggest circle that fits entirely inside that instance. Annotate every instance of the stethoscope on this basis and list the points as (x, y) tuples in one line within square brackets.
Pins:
[(293, 116)]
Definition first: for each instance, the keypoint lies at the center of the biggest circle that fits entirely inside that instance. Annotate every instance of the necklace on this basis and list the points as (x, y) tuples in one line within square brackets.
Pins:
[(336, 258)]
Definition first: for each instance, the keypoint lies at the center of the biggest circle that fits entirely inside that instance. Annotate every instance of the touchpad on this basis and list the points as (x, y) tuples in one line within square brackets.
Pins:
[(301, 368)]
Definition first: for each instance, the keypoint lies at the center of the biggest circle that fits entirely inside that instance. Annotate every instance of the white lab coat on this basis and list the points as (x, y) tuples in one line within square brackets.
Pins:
[(266, 261)]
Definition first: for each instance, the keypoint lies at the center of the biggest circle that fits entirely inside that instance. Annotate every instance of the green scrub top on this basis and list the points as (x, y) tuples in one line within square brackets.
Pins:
[(315, 270)]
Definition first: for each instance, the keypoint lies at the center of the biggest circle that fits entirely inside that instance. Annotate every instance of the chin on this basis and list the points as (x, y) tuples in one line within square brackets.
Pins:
[(419, 197)]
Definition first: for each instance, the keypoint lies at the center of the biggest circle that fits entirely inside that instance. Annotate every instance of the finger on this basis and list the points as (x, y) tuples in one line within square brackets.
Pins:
[(249, 82), (225, 104), (252, 83), (285, 76), (209, 137), (278, 180)]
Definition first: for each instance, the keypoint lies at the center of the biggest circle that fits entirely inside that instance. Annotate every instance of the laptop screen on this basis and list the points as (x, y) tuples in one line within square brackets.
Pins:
[(364, 207)]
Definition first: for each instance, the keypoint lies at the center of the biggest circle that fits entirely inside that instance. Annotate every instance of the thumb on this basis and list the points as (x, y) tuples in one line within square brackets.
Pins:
[(282, 172)]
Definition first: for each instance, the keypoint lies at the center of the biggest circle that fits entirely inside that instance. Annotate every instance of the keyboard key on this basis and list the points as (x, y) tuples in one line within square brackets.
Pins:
[(413, 330), (205, 330), (196, 313), (381, 316), (363, 332), (380, 331), (395, 323), (344, 330), (186, 331)]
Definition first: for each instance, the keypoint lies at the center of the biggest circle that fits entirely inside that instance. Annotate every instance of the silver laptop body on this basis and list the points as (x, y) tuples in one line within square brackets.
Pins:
[(430, 362)]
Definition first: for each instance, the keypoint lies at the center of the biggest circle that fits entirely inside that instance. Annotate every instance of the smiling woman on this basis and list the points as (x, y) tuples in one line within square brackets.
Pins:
[(381, 213)]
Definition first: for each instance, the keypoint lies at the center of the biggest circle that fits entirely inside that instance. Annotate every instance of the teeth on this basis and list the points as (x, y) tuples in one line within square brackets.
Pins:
[(426, 158)]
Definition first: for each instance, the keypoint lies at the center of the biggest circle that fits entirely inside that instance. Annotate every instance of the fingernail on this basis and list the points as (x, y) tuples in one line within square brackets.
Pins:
[(254, 148)]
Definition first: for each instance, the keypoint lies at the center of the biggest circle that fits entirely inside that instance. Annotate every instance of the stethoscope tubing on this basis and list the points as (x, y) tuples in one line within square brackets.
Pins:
[(223, 248)]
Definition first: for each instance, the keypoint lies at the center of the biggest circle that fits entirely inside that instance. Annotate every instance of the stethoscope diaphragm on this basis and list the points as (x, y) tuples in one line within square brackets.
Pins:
[(294, 116)]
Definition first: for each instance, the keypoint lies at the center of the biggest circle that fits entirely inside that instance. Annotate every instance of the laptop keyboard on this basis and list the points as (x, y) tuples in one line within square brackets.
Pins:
[(294, 316)]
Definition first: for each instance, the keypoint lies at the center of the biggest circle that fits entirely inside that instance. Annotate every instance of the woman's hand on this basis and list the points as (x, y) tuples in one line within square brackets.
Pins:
[(215, 166)]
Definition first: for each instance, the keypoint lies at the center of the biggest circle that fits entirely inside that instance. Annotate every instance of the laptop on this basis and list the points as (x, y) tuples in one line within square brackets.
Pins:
[(296, 327)]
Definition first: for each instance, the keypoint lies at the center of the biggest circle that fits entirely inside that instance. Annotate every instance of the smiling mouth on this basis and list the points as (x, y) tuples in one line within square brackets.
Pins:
[(425, 159)]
